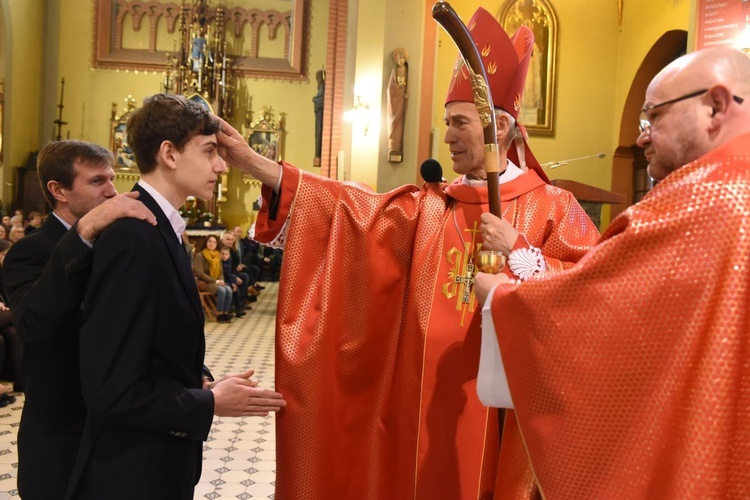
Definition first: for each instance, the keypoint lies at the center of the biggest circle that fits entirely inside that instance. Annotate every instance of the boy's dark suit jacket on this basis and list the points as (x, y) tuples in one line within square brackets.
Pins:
[(142, 349), (37, 270)]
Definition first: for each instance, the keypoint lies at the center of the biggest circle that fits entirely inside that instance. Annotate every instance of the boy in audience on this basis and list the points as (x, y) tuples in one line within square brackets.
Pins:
[(231, 279)]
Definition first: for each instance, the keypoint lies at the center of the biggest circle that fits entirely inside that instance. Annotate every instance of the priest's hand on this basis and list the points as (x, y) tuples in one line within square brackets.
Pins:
[(497, 234), (484, 282), (240, 397), (233, 148)]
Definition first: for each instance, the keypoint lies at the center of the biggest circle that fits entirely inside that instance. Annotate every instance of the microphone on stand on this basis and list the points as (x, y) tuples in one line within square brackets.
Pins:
[(555, 164), (431, 171)]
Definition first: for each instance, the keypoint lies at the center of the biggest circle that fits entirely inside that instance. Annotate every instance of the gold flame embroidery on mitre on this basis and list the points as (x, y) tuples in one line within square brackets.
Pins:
[(459, 74)]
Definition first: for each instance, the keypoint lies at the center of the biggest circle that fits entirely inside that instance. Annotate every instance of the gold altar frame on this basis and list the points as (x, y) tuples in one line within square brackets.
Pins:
[(540, 17), (118, 137), (199, 99), (265, 136), (143, 16)]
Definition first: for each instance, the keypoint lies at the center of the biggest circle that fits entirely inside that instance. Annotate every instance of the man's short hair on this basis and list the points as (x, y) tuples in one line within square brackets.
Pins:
[(56, 162), (166, 117), (514, 130)]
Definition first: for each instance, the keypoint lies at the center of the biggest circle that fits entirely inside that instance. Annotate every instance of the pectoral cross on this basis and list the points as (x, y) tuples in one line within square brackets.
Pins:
[(467, 281)]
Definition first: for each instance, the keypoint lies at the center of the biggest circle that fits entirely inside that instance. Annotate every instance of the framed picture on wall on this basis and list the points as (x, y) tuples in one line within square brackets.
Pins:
[(538, 105), (124, 157), (266, 136), (264, 39)]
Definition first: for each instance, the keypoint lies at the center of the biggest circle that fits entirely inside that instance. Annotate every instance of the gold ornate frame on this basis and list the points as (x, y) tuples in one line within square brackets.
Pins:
[(196, 97), (124, 159), (113, 17), (265, 136), (538, 106)]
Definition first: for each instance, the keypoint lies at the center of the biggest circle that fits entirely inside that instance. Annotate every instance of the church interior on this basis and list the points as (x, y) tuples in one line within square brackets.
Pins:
[(307, 82), (73, 68)]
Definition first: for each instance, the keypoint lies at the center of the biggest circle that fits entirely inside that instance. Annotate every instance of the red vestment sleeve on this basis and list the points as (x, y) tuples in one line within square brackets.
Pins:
[(629, 371)]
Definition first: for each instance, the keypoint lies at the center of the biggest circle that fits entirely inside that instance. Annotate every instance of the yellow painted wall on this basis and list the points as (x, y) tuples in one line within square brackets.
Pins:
[(403, 28), (23, 55), (643, 23), (368, 83)]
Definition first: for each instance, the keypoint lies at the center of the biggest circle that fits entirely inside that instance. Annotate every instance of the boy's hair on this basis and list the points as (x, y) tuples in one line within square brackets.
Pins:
[(56, 162), (225, 248), (166, 117)]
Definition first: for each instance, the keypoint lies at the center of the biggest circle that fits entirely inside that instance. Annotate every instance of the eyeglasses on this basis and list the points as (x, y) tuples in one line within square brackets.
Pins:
[(645, 121)]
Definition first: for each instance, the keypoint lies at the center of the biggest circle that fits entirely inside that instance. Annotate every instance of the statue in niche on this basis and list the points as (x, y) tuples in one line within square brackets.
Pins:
[(198, 51), (318, 105), (397, 100)]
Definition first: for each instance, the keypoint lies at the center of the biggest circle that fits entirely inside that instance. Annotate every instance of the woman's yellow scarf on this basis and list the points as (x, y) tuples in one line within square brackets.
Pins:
[(214, 262)]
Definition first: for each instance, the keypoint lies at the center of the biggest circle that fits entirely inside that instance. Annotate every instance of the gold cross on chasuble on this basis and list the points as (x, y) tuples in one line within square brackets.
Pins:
[(461, 272)]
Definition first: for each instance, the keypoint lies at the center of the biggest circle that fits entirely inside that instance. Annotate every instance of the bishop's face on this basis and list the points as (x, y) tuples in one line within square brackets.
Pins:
[(465, 139)]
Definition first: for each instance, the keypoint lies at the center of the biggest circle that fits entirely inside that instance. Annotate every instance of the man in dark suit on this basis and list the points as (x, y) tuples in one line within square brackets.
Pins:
[(142, 343), (45, 274)]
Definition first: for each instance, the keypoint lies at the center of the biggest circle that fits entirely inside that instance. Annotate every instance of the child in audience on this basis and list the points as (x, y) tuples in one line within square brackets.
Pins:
[(231, 279)]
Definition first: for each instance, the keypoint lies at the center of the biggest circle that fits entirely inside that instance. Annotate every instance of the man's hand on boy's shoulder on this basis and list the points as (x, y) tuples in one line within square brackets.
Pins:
[(123, 205)]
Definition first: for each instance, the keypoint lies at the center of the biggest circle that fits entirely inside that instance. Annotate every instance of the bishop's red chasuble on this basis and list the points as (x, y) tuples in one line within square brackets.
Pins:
[(378, 335), (630, 372)]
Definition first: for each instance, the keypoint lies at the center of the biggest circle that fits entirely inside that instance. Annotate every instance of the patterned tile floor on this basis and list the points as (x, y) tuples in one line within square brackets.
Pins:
[(239, 458)]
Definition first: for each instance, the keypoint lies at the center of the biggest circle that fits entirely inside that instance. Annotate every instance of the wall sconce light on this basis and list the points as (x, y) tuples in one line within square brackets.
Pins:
[(743, 41), (359, 115)]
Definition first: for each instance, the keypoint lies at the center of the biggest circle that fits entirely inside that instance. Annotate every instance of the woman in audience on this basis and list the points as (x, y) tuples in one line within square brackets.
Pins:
[(7, 225), (10, 346), (16, 233), (210, 278), (3, 233)]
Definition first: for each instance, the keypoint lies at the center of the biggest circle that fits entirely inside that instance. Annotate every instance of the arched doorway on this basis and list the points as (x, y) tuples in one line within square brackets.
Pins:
[(629, 165)]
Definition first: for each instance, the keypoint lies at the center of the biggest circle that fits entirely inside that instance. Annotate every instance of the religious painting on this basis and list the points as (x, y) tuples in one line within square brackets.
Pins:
[(265, 136), (263, 38), (538, 105), (124, 157), (265, 144)]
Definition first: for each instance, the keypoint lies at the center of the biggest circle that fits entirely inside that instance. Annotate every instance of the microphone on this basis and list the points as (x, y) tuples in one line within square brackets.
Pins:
[(431, 171), (555, 164)]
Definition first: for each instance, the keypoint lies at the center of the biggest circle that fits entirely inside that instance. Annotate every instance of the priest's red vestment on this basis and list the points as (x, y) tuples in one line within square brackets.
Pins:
[(378, 332), (630, 372)]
